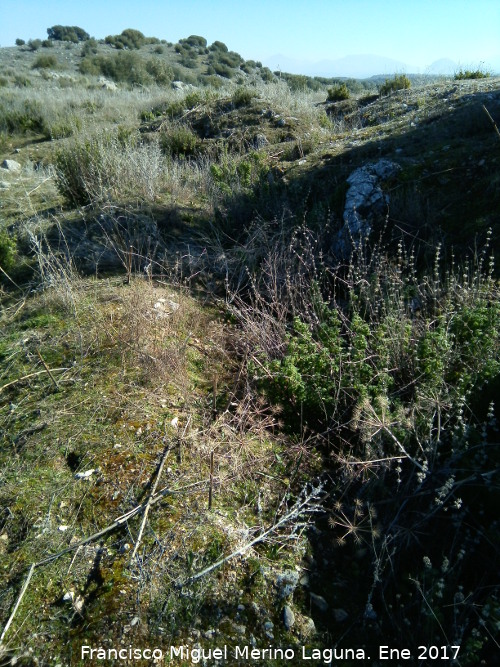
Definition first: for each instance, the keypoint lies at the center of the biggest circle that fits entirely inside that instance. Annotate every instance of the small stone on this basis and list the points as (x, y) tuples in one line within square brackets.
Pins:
[(124, 548), (340, 615), (260, 141), (286, 583), (85, 475), (62, 529), (11, 165), (370, 613), (288, 617), (78, 604), (68, 597), (4, 185), (135, 621), (239, 629), (319, 602)]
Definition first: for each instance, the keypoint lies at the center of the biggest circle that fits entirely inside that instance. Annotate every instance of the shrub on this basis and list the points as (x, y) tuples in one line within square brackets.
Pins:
[(45, 62), (47, 44), (218, 46), (179, 140), (398, 82), (223, 70), (8, 249), (194, 41), (108, 167), (471, 74), (161, 73), (34, 44), (243, 97), (130, 39), (90, 47), (393, 369), (20, 42), (25, 118), (127, 67), (67, 33), (338, 93)]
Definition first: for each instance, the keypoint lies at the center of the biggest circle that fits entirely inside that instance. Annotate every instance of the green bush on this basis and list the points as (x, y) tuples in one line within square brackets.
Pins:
[(47, 44), (67, 33), (218, 46), (20, 42), (392, 368), (194, 41), (8, 249), (242, 97), (179, 140), (130, 39), (34, 44), (378, 354), (338, 93), (128, 67), (45, 61), (90, 47), (398, 82), (471, 74)]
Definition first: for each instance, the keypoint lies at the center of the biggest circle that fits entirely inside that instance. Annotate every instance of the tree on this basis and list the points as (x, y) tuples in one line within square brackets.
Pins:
[(67, 33)]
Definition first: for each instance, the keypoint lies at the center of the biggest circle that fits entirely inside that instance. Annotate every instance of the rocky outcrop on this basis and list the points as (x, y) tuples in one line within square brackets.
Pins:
[(366, 203)]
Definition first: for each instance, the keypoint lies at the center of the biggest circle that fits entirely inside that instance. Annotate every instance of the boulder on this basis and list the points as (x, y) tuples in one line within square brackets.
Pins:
[(11, 165)]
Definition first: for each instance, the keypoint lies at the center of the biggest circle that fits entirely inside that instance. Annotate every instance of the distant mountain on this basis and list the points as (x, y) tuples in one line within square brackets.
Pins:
[(363, 66), (356, 66), (442, 66)]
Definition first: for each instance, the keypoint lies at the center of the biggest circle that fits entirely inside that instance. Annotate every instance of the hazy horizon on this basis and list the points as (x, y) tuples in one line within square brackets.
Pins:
[(411, 36)]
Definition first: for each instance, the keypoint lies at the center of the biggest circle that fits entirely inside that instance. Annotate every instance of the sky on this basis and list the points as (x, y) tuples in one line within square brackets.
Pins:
[(414, 32)]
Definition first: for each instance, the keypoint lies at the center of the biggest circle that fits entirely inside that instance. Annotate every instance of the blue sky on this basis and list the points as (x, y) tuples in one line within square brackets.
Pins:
[(416, 32)]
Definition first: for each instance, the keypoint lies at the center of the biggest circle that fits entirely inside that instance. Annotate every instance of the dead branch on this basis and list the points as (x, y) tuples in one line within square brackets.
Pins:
[(119, 521), (148, 503), (21, 595), (300, 507), (30, 375)]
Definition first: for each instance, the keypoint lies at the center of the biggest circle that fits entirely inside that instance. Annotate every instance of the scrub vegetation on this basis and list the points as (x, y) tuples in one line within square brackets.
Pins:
[(219, 425)]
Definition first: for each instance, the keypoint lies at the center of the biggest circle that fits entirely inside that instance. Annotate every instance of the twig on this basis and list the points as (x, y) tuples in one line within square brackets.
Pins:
[(39, 185), (21, 595), (30, 375), (148, 502), (47, 369), (210, 487), (118, 522), (9, 278), (294, 513), (492, 121)]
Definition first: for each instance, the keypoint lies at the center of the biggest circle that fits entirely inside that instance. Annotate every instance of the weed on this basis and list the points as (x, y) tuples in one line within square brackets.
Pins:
[(45, 61), (398, 82), (338, 93)]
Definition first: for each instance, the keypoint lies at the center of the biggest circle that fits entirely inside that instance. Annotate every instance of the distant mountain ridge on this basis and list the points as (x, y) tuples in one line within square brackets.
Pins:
[(361, 66)]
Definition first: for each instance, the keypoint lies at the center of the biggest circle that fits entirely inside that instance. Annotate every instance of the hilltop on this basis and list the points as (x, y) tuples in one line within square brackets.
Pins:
[(249, 358)]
